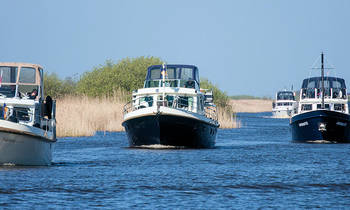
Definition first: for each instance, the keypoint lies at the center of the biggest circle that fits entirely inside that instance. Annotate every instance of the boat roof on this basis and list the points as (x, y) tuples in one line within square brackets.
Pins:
[(174, 65), (19, 64), (285, 91), (318, 80)]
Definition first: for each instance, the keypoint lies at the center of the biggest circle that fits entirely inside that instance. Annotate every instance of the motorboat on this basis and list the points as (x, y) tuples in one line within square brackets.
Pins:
[(322, 114), (283, 104), (171, 110), (27, 121)]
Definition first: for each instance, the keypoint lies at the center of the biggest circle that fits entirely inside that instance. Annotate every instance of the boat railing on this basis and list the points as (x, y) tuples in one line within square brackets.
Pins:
[(176, 102), (330, 93), (26, 116), (211, 112)]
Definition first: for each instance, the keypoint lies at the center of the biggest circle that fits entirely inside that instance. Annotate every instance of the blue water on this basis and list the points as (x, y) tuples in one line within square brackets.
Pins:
[(255, 166)]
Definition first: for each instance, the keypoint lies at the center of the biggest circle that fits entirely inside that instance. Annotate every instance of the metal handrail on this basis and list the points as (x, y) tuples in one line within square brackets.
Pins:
[(210, 111)]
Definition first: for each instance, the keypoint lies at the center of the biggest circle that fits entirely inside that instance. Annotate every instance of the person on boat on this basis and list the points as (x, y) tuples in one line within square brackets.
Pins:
[(33, 94)]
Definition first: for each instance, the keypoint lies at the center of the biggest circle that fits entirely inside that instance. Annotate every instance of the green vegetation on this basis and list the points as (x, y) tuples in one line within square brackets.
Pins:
[(56, 88), (116, 79), (105, 80), (126, 75), (220, 98)]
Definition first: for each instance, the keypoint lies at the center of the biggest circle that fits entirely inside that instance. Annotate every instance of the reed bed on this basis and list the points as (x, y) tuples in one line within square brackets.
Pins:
[(83, 116), (227, 118), (251, 105)]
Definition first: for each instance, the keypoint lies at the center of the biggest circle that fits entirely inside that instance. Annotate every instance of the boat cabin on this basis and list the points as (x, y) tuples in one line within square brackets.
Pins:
[(173, 86), (284, 99), (21, 94), (20, 80), (185, 76), (285, 95), (335, 94), (334, 88)]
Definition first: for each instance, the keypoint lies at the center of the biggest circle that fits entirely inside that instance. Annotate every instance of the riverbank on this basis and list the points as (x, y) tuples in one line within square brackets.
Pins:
[(251, 105), (83, 116)]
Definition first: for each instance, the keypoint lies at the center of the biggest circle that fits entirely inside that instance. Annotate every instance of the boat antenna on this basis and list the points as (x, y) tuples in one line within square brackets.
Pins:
[(322, 77)]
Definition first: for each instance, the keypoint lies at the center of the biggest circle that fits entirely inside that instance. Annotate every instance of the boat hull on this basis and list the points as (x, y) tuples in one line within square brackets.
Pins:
[(321, 126), (170, 130), (25, 145), (19, 149)]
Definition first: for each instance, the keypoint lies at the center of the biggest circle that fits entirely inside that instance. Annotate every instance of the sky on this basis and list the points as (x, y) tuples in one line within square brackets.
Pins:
[(245, 47)]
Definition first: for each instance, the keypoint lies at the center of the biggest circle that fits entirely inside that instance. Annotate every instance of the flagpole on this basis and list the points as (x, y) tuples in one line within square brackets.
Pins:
[(163, 73)]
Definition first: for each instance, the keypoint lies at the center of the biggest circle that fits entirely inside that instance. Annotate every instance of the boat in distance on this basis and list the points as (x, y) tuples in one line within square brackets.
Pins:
[(283, 105), (171, 109), (322, 113), (27, 121)]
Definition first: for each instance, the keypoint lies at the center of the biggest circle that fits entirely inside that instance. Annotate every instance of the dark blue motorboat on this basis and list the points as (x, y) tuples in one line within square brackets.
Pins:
[(171, 110), (322, 113)]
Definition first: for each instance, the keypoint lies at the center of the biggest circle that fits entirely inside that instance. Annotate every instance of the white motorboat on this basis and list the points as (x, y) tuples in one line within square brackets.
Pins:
[(171, 110), (283, 105), (27, 121)]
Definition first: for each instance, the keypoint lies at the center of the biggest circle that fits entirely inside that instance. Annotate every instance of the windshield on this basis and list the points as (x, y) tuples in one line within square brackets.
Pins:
[(285, 96), (8, 74), (173, 72)]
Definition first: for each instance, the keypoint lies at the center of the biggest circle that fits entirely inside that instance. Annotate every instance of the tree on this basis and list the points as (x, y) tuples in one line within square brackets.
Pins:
[(126, 75), (56, 88), (220, 97)]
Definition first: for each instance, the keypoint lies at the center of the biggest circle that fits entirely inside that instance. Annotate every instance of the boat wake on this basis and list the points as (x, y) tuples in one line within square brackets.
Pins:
[(8, 164), (158, 146), (321, 142)]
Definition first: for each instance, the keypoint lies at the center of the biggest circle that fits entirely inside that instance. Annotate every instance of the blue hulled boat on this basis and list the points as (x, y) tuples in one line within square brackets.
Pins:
[(171, 110), (322, 113)]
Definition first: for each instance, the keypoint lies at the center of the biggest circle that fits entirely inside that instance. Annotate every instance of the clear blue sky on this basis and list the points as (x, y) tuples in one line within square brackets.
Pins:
[(246, 47)]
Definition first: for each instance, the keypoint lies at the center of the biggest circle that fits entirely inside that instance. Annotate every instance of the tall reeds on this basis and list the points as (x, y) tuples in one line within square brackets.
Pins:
[(227, 118), (83, 116)]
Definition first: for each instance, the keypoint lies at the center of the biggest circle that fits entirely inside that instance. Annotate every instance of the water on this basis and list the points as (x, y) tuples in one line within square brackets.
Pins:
[(255, 166)]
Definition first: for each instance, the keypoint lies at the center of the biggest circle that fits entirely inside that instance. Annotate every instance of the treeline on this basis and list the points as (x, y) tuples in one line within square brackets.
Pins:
[(112, 78)]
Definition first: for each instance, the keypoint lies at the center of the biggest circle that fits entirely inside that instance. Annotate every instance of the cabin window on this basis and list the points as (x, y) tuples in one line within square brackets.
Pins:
[(27, 75), (169, 99), (22, 113), (7, 91), (8, 74), (171, 73), (152, 83), (326, 106), (311, 85), (306, 107), (146, 101), (155, 74), (338, 93), (197, 75), (186, 73), (285, 96), (169, 83), (339, 107)]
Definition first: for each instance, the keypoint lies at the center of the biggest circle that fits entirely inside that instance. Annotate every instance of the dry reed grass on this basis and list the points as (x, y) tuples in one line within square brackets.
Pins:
[(227, 118), (251, 105), (83, 116)]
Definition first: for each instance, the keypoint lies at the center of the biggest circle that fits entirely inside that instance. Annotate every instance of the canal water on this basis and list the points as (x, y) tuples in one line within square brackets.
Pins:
[(255, 166)]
